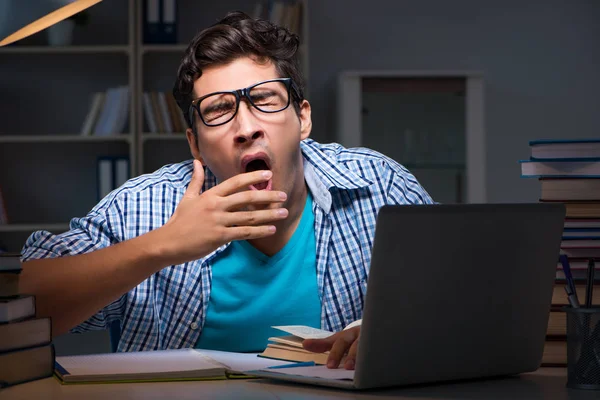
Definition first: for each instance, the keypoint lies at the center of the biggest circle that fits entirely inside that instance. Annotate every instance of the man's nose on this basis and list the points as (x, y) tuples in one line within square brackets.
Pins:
[(248, 128)]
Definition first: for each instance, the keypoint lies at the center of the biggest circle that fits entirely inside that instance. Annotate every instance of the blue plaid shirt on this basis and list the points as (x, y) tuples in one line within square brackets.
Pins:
[(167, 310)]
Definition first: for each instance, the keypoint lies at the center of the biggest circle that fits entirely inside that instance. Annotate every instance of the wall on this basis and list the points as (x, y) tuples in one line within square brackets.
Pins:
[(540, 60)]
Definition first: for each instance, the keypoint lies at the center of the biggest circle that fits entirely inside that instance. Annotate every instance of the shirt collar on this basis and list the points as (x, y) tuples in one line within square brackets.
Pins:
[(323, 173), (330, 171)]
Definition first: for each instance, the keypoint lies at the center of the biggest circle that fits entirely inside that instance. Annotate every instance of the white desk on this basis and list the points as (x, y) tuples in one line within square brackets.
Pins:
[(546, 383)]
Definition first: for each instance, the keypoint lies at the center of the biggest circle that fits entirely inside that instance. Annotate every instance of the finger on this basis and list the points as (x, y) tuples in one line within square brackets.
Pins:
[(249, 232), (319, 345), (351, 357), (242, 181), (253, 218), (195, 186), (239, 200), (339, 348)]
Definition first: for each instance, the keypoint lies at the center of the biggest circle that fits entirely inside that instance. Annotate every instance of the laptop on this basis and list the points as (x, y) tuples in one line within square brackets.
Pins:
[(455, 292)]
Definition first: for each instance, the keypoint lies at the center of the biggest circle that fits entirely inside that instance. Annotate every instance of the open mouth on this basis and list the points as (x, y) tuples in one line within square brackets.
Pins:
[(254, 164)]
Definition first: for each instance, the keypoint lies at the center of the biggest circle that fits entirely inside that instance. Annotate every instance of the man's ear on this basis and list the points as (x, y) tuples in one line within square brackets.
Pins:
[(193, 144), (305, 120)]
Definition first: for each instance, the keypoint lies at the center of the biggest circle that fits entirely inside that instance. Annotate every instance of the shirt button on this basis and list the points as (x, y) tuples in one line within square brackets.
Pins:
[(194, 326)]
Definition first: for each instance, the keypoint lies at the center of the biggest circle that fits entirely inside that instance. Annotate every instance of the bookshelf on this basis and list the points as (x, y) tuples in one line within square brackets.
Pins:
[(48, 170), (163, 48), (107, 49), (63, 138)]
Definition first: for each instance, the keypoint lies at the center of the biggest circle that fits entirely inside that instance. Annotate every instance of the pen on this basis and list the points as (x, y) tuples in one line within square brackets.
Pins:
[(590, 283), (570, 286), (299, 364), (572, 297)]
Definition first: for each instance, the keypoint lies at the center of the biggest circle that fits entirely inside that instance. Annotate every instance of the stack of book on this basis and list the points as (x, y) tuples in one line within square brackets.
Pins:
[(162, 114), (569, 172), (108, 112), (289, 347), (26, 352)]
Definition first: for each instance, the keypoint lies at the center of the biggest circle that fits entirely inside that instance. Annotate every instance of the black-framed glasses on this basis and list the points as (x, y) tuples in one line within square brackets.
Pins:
[(219, 108)]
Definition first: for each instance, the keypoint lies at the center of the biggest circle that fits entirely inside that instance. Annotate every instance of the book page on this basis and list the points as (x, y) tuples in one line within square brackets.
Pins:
[(134, 363), (289, 340), (291, 348), (320, 371), (305, 332), (240, 362)]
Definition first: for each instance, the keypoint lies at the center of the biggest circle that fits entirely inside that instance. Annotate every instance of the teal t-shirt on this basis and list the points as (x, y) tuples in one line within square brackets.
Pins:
[(251, 291)]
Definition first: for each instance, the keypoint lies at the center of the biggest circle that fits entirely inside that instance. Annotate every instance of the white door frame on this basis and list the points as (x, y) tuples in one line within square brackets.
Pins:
[(349, 118)]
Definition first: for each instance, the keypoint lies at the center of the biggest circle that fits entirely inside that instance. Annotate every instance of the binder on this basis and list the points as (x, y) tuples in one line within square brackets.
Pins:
[(121, 168), (160, 21), (169, 21), (105, 176), (112, 173)]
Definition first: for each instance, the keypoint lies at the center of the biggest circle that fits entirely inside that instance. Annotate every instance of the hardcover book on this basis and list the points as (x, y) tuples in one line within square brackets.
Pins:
[(565, 148), (9, 283), (24, 334), (24, 365), (17, 308), (560, 168), (10, 261)]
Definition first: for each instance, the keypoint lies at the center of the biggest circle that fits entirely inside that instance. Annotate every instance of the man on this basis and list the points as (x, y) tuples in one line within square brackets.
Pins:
[(265, 227)]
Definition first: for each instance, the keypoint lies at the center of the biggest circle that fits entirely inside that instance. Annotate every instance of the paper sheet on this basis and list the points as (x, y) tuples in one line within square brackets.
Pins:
[(240, 362), (305, 332), (320, 371), (136, 362)]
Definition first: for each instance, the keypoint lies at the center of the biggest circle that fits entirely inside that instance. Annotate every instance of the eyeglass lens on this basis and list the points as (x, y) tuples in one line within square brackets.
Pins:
[(267, 97)]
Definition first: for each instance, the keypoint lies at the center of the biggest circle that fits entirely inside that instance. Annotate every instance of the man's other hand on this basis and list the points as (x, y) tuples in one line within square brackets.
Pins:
[(338, 345)]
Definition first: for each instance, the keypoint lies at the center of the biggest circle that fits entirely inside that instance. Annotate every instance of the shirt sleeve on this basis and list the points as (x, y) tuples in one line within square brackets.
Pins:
[(404, 188), (85, 235)]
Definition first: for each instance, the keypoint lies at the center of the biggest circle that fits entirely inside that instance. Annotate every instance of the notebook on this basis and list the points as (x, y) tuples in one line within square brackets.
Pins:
[(159, 365), (439, 306)]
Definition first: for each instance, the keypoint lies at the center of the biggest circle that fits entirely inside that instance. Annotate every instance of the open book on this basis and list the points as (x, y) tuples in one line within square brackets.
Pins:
[(289, 347), (160, 365)]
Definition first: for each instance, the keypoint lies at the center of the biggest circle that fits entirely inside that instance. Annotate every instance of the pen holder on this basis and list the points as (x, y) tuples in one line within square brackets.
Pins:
[(583, 348)]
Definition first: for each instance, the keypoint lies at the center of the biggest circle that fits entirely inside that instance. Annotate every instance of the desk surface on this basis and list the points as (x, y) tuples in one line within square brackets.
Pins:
[(546, 383)]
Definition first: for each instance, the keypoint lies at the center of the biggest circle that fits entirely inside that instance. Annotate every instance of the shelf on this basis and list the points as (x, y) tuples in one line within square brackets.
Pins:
[(34, 227), (63, 138), (164, 136), (125, 49), (163, 48)]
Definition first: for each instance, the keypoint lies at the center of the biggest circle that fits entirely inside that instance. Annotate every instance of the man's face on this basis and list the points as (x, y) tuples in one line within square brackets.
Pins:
[(252, 139)]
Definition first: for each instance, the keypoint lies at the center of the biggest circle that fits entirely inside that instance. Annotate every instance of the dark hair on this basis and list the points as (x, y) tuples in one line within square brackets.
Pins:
[(238, 35)]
